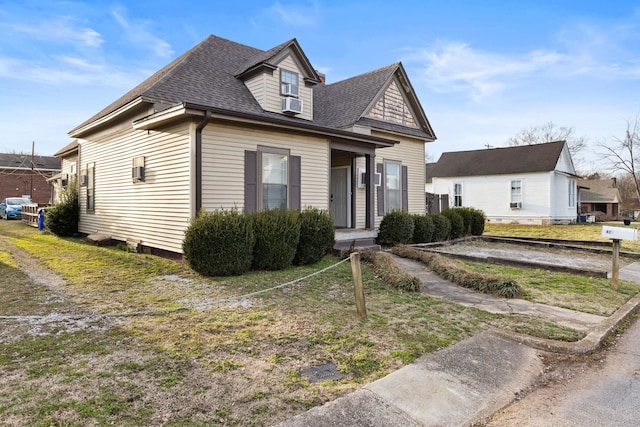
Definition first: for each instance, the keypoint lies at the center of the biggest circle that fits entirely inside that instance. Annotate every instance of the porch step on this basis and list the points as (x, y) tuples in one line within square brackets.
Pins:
[(361, 244)]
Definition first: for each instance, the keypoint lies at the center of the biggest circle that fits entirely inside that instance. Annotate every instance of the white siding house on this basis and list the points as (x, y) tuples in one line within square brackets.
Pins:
[(531, 184)]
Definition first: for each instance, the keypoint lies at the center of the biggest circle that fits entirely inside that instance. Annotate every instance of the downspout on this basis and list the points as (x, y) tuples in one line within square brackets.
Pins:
[(201, 126)]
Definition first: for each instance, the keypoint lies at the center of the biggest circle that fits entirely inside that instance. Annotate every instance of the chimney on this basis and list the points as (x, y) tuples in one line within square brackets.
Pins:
[(614, 181), (322, 76)]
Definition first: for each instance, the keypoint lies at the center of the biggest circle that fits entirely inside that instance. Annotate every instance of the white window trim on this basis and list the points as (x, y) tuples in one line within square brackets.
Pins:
[(387, 205), (272, 150), (461, 195), (282, 83), (511, 198)]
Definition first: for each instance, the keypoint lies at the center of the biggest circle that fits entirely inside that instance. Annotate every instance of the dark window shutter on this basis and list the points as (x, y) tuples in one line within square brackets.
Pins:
[(250, 181), (294, 180), (405, 188), (380, 189)]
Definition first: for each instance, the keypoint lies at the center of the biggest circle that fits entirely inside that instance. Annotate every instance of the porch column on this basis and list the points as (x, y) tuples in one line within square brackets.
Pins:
[(370, 221)]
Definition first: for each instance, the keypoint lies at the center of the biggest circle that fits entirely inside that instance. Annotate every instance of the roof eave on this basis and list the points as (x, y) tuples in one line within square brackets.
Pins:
[(83, 130), (188, 109)]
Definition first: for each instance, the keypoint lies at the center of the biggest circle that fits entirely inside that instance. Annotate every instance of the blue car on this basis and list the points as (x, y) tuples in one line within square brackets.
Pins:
[(11, 207)]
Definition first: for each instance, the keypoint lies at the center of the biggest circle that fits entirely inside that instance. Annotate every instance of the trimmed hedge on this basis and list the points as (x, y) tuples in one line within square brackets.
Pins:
[(62, 218), (317, 236), (474, 220), (423, 228), (457, 223), (389, 272), (441, 227), (469, 279), (277, 235), (219, 243), (396, 227)]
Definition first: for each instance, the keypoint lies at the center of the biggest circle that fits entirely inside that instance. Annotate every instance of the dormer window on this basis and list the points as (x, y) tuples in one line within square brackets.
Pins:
[(288, 83)]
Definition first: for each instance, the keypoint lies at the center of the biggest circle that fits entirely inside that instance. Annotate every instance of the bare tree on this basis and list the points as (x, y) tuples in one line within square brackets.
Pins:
[(623, 154), (549, 132)]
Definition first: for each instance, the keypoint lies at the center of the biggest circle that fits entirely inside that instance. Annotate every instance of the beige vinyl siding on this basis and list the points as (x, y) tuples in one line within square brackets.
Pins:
[(258, 88), (411, 153), (155, 211), (273, 101), (69, 165), (223, 148)]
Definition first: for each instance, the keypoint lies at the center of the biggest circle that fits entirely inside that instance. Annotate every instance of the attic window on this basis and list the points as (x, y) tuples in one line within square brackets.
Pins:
[(288, 83)]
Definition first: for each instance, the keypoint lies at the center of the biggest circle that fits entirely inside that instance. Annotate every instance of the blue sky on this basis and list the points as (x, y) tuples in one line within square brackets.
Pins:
[(483, 70)]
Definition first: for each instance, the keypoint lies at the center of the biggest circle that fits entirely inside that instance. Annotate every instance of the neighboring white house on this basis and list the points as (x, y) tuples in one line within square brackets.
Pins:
[(529, 184)]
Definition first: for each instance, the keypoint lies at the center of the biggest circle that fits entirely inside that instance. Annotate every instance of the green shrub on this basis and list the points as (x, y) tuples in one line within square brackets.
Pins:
[(446, 269), (219, 243), (441, 227), (62, 218), (317, 236), (277, 234), (457, 223), (423, 228), (396, 227), (467, 214), (478, 220)]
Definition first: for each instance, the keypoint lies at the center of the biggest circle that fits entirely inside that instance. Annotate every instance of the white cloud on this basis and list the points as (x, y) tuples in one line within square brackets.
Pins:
[(59, 29), (139, 33), (455, 66), (295, 14)]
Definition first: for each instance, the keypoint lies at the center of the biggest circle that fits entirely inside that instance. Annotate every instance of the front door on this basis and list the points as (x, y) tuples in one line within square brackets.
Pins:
[(339, 198)]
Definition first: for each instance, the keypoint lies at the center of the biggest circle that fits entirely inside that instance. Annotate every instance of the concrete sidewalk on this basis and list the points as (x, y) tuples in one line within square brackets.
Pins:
[(473, 379)]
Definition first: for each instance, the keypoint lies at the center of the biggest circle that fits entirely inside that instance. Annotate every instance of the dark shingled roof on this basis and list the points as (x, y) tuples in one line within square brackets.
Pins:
[(344, 103), (499, 161), (23, 162), (206, 75)]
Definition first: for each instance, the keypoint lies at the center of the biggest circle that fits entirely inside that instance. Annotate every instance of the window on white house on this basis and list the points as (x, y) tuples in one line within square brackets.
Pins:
[(289, 83), (572, 193), (273, 178), (516, 191), (457, 195), (393, 185)]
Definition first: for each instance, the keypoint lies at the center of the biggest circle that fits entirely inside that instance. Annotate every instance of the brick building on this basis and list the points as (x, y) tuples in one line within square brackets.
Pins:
[(20, 174)]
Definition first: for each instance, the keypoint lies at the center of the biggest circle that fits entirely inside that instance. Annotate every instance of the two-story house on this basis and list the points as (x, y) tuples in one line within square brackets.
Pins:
[(227, 125)]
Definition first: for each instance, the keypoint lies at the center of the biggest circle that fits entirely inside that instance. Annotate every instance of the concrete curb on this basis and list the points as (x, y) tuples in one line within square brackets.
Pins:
[(592, 342)]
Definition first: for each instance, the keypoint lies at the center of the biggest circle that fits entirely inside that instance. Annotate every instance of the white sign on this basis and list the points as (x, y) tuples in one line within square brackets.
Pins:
[(620, 233)]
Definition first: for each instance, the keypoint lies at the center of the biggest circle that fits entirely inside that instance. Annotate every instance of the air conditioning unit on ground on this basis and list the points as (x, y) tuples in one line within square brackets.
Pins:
[(516, 205), (292, 105)]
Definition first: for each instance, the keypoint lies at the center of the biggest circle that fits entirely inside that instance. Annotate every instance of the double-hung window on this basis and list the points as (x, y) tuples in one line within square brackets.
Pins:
[(273, 178), (289, 83), (516, 193), (393, 185), (91, 187), (457, 195), (572, 193)]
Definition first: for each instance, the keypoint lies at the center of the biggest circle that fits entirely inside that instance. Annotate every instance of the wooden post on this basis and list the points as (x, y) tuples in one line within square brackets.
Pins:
[(616, 266), (361, 309)]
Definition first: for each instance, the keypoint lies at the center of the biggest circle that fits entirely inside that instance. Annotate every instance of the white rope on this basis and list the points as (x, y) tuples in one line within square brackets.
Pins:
[(60, 317)]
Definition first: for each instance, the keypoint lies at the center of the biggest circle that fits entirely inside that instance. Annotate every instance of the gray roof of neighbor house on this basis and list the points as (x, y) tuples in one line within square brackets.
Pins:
[(207, 75), (14, 162), (70, 148), (598, 191), (499, 161)]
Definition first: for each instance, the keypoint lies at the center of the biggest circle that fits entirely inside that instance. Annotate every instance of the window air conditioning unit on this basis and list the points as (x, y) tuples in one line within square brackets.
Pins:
[(516, 205), (83, 180), (361, 178), (292, 105), (64, 180), (137, 173), (289, 89)]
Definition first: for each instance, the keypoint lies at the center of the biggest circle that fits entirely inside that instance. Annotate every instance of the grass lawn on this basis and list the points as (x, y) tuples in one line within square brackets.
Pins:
[(183, 353)]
